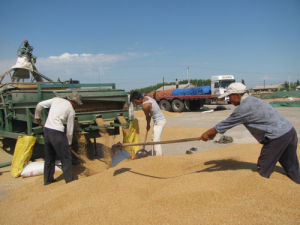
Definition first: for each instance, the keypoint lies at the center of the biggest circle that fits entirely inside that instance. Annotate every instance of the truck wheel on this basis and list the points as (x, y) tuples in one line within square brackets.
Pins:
[(187, 105), (177, 105), (165, 105)]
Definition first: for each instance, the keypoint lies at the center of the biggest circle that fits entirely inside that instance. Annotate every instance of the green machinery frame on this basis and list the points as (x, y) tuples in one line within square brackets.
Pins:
[(18, 106)]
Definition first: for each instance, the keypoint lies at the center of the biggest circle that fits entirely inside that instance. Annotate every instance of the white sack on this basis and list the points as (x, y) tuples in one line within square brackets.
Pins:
[(34, 169)]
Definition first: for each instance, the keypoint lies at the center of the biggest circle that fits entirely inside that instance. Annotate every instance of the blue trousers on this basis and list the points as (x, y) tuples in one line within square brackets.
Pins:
[(56, 144), (282, 150)]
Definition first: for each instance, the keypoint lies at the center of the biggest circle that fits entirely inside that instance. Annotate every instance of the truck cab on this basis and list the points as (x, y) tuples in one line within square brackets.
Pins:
[(219, 83)]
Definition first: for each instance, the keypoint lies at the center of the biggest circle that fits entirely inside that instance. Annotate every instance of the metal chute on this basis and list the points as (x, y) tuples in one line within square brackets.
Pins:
[(24, 66)]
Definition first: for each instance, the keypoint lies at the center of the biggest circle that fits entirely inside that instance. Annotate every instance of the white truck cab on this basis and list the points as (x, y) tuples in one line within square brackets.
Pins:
[(219, 83)]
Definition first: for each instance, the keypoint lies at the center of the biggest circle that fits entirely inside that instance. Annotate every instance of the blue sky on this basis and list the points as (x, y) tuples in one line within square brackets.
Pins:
[(136, 43)]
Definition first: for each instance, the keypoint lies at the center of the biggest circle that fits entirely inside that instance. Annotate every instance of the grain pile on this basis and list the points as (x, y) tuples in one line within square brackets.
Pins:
[(213, 187)]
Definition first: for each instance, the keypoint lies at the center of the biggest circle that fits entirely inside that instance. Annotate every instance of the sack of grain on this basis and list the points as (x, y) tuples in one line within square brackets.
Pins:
[(22, 154), (35, 169)]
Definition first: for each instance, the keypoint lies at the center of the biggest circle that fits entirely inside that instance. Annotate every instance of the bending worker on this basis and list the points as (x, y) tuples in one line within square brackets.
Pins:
[(151, 110), (57, 141), (267, 126)]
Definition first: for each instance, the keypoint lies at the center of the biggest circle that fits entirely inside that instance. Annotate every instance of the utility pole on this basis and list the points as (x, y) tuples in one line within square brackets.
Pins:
[(188, 75)]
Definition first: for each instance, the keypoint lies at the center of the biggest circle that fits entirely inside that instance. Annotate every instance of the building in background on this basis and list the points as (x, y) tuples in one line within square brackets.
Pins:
[(267, 88)]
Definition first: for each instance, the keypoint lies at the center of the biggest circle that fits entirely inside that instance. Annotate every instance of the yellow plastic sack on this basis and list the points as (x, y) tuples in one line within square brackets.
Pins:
[(131, 135), (22, 154)]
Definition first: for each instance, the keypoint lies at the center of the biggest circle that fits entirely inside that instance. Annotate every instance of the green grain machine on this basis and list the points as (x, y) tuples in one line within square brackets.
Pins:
[(104, 109)]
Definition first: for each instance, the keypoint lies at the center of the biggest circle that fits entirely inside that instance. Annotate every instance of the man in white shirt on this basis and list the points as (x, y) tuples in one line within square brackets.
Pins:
[(57, 141), (151, 110)]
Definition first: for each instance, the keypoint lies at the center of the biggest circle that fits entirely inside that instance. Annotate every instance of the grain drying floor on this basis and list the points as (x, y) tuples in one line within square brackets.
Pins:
[(214, 187)]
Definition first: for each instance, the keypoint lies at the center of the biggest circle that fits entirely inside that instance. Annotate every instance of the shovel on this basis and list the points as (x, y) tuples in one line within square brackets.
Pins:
[(120, 156), (123, 154), (120, 145), (145, 140), (163, 142), (142, 152)]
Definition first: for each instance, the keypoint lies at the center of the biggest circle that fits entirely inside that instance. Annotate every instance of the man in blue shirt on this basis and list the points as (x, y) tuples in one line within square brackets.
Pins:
[(267, 126)]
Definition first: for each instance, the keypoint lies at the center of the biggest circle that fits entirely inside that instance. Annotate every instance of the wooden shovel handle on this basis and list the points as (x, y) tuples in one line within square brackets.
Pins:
[(145, 139), (163, 142)]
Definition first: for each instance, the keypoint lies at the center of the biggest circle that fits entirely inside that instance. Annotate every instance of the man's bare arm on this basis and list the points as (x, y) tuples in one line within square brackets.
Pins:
[(147, 110)]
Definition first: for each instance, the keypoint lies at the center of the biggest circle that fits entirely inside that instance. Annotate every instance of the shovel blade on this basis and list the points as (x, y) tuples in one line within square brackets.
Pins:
[(120, 156)]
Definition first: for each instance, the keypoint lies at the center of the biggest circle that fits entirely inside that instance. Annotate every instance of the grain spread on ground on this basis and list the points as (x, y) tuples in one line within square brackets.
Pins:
[(214, 187)]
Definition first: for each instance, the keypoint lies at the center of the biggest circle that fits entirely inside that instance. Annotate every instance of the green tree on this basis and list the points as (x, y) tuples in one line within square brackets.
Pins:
[(286, 85)]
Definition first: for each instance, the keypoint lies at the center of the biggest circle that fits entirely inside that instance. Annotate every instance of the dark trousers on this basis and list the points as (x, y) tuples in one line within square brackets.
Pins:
[(56, 143), (284, 150)]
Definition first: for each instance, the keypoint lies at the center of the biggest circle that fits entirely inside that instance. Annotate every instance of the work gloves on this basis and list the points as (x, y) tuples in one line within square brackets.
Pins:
[(209, 134)]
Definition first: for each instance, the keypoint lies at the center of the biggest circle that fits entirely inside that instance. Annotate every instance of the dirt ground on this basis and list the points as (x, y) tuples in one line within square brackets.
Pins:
[(218, 184)]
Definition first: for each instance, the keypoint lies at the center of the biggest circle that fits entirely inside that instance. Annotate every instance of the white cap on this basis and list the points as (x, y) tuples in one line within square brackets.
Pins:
[(234, 88)]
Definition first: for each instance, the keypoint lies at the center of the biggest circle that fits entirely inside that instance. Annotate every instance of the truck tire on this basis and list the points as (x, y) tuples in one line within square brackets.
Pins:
[(165, 105), (177, 105), (187, 105)]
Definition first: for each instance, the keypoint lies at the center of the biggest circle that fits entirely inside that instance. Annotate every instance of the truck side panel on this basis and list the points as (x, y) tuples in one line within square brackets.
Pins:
[(185, 99)]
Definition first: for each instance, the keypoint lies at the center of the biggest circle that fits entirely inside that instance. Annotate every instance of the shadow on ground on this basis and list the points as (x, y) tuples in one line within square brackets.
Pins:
[(215, 165)]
